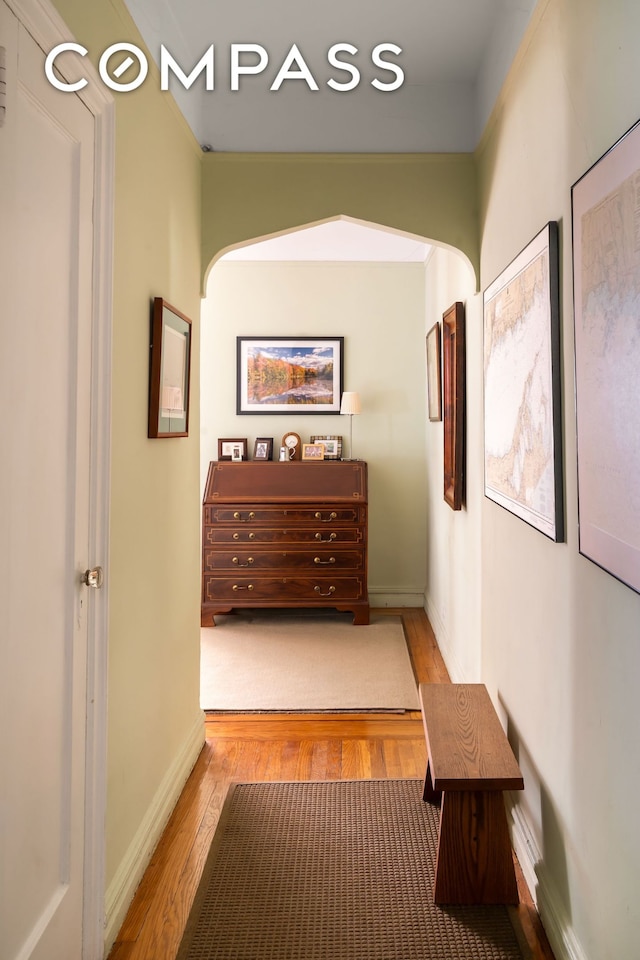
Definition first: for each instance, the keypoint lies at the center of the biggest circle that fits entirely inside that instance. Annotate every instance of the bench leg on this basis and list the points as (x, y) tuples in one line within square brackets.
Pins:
[(475, 862), (429, 795)]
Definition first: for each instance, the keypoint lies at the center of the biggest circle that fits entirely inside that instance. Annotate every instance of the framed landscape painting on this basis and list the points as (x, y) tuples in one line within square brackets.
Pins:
[(522, 411), (606, 282), (289, 374)]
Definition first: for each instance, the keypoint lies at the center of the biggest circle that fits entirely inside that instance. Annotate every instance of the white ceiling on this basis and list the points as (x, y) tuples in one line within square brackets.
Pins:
[(455, 56)]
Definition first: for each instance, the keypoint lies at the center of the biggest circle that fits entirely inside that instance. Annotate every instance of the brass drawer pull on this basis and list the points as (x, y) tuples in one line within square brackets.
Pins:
[(332, 516), (317, 590), (332, 536), (247, 564), (249, 587), (251, 536), (318, 560), (238, 516)]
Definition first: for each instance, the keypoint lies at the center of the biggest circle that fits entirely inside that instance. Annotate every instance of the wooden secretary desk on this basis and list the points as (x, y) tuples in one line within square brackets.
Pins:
[(285, 534)]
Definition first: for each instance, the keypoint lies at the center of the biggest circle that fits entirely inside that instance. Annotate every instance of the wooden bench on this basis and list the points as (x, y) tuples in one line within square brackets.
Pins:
[(470, 763)]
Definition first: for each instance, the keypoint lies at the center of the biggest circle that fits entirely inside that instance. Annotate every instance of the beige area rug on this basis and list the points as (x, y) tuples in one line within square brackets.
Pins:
[(313, 662), (334, 871)]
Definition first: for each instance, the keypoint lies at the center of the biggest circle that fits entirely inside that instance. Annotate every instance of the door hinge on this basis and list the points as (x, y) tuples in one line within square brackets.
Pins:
[(3, 84)]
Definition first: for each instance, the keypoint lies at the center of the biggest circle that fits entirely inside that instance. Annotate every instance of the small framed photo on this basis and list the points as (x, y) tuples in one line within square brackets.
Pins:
[(232, 448), (263, 448), (332, 446), (313, 451)]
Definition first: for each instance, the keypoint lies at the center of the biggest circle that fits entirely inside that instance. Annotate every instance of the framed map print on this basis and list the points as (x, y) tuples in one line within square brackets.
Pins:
[(606, 283), (522, 410)]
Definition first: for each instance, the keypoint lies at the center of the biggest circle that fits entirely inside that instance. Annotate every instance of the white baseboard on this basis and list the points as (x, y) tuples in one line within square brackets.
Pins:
[(392, 597), (444, 643), (555, 921), (120, 891)]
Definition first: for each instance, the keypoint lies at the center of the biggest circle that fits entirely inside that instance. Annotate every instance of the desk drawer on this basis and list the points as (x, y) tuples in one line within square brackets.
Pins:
[(324, 560), (283, 516), (314, 535), (245, 588)]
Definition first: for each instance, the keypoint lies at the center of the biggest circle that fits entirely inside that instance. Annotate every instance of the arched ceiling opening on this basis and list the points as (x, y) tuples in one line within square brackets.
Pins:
[(341, 239)]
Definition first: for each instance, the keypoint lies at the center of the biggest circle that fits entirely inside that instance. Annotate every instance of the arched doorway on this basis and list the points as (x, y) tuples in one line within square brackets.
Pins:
[(369, 285)]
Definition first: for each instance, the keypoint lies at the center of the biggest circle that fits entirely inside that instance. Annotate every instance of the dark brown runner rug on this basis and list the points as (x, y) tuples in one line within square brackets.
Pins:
[(333, 871)]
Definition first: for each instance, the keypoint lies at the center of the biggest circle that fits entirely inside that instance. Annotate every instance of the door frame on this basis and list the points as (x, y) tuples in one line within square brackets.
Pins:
[(46, 26)]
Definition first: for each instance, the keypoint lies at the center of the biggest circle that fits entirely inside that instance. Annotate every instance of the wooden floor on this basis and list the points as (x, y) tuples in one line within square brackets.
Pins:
[(282, 747)]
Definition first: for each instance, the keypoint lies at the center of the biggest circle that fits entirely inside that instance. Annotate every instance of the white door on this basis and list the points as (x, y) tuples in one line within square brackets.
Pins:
[(46, 309)]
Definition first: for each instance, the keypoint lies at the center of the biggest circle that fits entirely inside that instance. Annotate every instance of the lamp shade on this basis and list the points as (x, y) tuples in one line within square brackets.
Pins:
[(350, 403)]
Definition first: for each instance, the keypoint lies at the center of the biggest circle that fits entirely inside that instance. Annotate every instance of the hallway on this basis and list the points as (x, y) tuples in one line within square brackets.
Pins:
[(282, 747)]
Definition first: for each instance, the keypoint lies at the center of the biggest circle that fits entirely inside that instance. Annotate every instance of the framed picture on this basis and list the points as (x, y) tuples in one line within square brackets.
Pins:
[(332, 446), (263, 448), (434, 388), (313, 451), (169, 372), (232, 448), (606, 284), (289, 374), (522, 410), (453, 384)]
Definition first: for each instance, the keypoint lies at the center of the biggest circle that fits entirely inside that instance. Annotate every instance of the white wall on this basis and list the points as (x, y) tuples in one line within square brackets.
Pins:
[(379, 309), (560, 637), (453, 540)]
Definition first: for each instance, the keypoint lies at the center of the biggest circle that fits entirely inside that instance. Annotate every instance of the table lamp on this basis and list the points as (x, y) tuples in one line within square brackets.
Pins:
[(350, 405)]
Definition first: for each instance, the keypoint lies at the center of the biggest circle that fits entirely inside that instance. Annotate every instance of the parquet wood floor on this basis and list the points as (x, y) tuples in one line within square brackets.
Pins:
[(282, 747)]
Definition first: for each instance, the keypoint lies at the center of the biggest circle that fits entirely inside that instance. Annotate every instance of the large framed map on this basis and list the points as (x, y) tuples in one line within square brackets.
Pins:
[(606, 283), (522, 409)]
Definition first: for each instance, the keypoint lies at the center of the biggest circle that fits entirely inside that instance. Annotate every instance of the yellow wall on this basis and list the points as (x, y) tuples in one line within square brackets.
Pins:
[(253, 195), (154, 719), (379, 310)]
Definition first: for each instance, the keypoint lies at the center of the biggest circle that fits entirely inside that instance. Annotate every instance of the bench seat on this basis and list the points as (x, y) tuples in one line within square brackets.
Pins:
[(470, 763)]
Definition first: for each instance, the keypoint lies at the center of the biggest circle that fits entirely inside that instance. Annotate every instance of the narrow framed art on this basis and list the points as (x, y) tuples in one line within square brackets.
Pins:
[(454, 399), (169, 373), (289, 374), (434, 385), (606, 285), (522, 408)]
